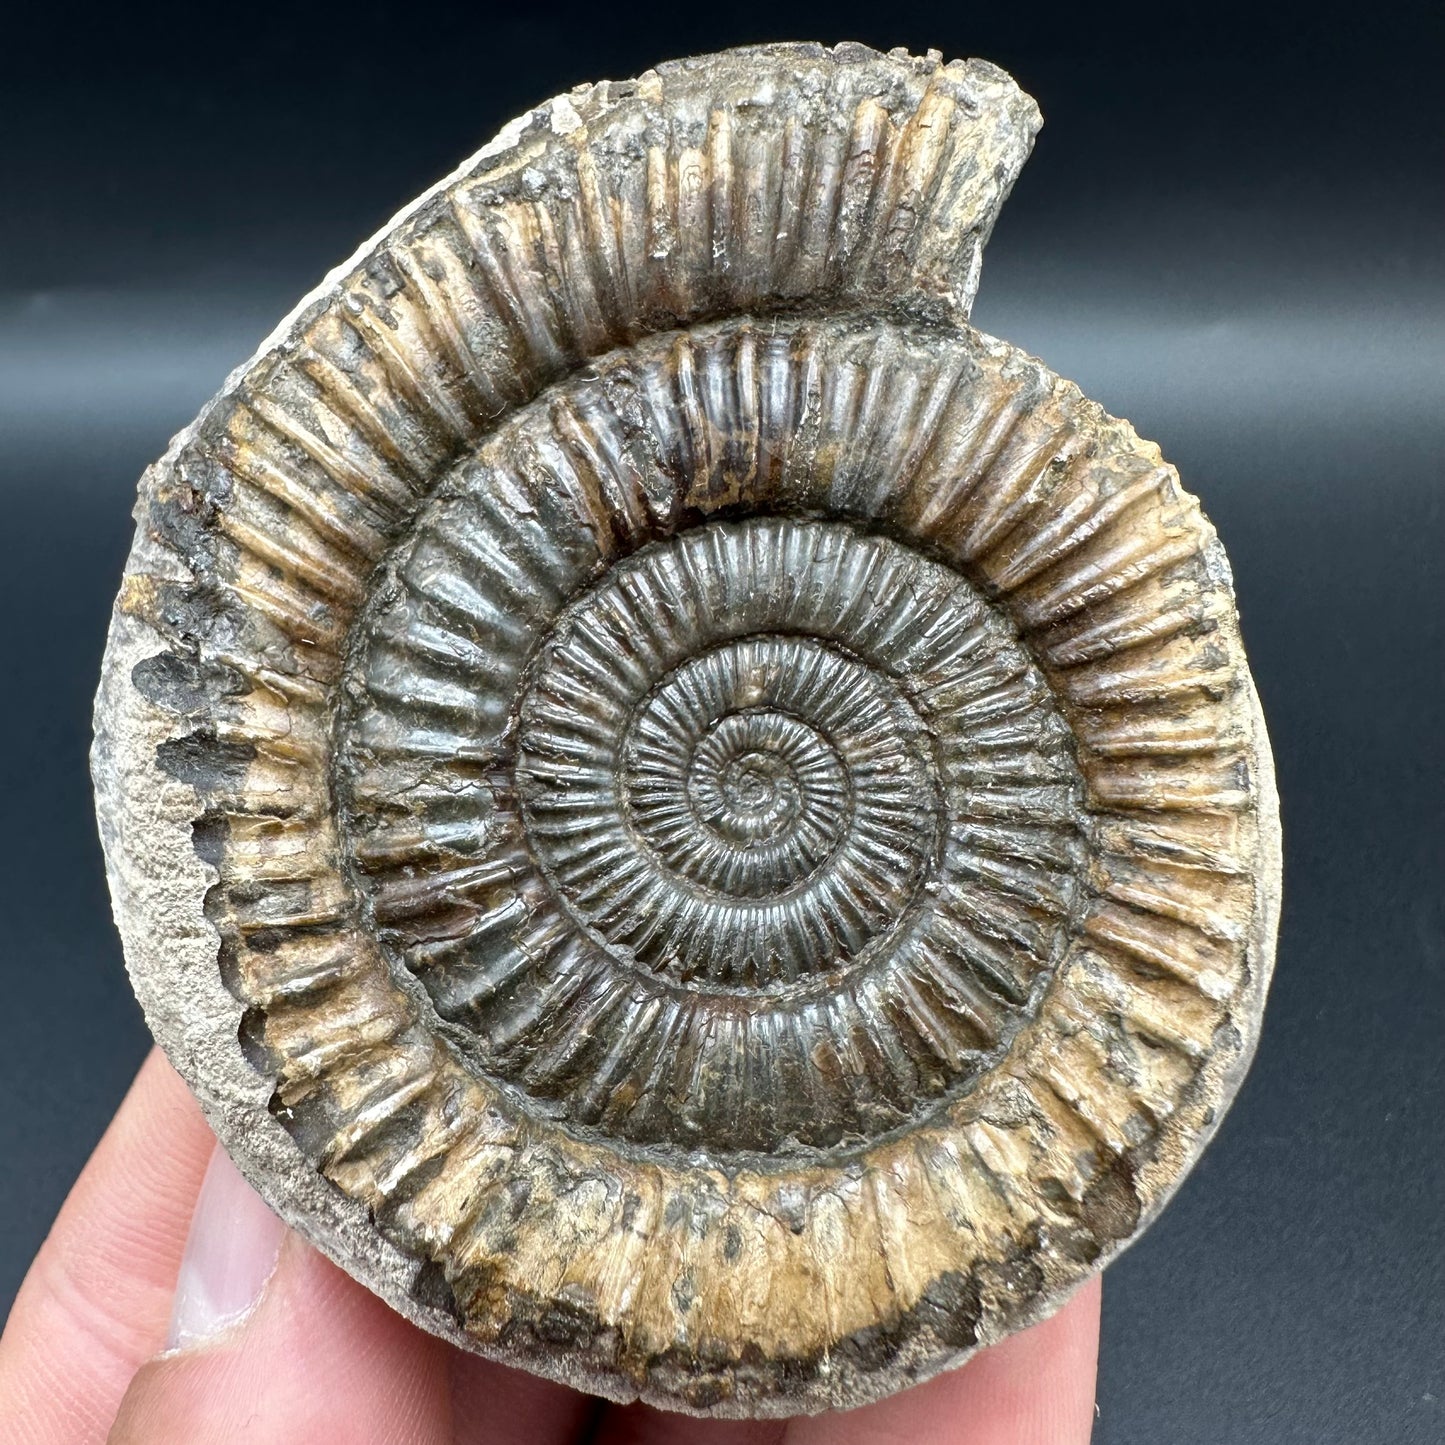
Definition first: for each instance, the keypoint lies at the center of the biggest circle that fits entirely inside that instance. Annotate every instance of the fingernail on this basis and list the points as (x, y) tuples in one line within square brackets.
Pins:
[(230, 1254)]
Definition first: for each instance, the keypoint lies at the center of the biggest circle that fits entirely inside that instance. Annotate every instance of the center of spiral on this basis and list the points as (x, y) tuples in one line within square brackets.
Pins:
[(760, 794), (724, 806), (766, 794)]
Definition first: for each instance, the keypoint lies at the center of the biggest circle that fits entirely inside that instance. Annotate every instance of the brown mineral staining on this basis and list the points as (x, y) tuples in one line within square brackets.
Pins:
[(697, 823)]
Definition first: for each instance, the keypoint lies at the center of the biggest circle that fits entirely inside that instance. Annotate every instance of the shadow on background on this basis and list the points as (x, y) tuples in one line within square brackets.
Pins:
[(1231, 234)]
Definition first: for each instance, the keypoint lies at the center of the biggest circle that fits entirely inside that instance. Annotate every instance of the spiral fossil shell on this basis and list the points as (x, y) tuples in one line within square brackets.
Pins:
[(697, 823)]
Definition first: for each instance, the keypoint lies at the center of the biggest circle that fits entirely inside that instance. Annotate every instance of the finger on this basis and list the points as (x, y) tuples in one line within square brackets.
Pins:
[(277, 1344), (642, 1425), (494, 1405), (317, 1358), (97, 1299), (1035, 1388)]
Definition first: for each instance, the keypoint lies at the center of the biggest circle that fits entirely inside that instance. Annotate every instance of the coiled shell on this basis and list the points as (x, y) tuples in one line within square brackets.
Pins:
[(698, 824)]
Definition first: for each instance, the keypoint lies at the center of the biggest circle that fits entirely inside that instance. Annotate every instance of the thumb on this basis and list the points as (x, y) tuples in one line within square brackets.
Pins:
[(269, 1341)]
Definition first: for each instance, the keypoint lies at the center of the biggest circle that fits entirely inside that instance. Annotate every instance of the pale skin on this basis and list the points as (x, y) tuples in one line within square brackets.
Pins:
[(318, 1359)]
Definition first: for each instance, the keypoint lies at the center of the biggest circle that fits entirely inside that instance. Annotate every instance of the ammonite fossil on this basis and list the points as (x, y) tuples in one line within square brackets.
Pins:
[(699, 825)]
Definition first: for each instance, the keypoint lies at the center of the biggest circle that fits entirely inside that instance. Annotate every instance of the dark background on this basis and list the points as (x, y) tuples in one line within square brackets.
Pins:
[(1232, 232)]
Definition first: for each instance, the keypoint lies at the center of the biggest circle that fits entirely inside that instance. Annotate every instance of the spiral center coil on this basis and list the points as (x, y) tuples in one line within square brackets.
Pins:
[(760, 799), (761, 811)]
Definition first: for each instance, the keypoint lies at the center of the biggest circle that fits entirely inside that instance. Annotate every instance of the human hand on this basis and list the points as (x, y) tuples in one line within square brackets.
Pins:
[(153, 1316)]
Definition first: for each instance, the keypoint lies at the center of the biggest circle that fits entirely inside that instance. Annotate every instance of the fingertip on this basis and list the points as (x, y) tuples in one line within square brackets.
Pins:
[(317, 1358), (231, 1251)]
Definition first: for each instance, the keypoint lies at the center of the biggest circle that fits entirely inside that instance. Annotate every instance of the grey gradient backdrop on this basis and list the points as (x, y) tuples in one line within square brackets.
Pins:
[(1232, 232)]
